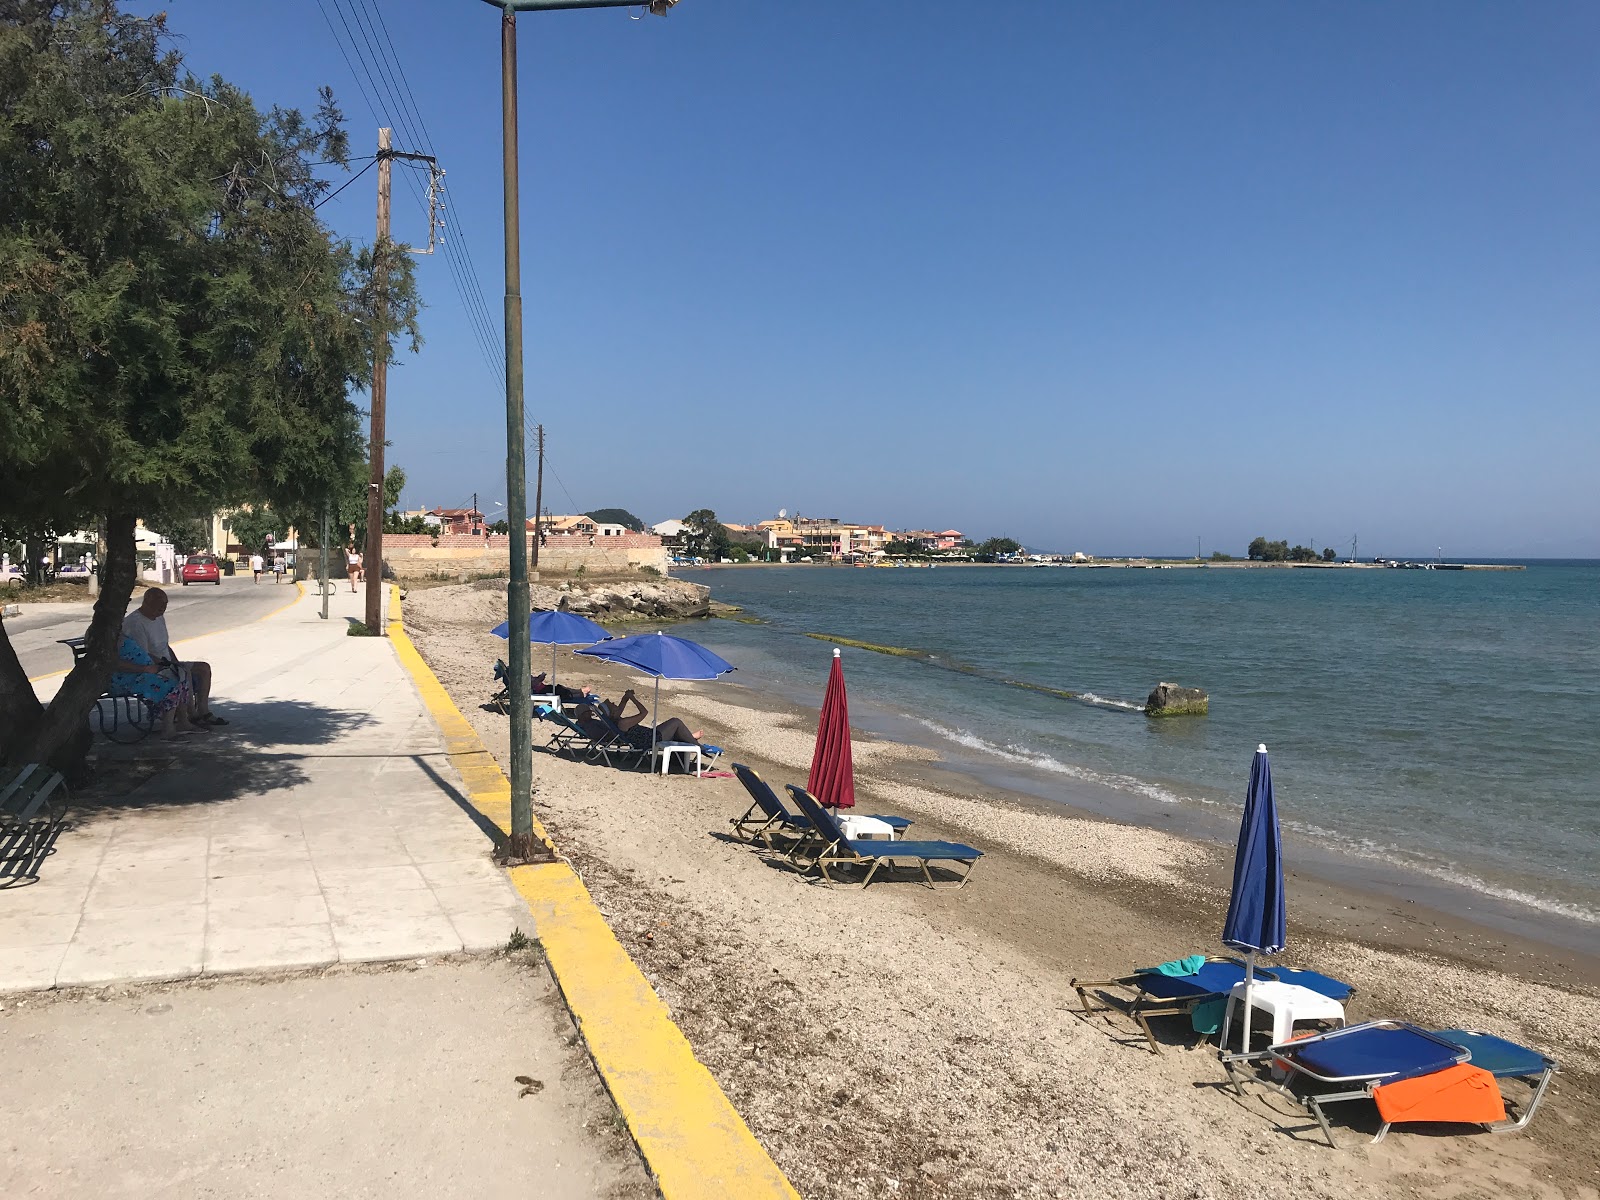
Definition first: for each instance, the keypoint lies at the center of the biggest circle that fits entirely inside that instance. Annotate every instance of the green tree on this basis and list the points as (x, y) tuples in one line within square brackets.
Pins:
[(997, 547), (254, 526), (704, 536), (1258, 549), (1301, 553), (1220, 556), (1329, 554), (176, 326), (616, 516), (895, 548)]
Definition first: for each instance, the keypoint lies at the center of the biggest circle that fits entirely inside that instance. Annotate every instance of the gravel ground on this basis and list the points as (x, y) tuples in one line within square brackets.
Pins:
[(904, 1042)]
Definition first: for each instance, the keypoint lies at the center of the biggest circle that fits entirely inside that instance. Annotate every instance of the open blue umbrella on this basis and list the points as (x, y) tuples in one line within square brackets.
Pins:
[(664, 657), (1256, 922), (556, 628)]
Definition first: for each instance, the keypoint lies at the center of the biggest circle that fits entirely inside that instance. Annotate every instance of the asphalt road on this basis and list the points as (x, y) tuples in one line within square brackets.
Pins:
[(191, 611)]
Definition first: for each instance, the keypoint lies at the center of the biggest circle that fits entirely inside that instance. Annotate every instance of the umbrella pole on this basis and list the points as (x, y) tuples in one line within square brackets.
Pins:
[(552, 666), (1244, 1025), (655, 719)]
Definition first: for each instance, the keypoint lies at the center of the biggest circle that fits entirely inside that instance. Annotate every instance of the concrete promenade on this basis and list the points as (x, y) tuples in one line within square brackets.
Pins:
[(324, 825)]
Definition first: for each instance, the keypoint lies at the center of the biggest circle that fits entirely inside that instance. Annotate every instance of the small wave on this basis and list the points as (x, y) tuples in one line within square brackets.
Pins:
[(1107, 702), (1043, 762)]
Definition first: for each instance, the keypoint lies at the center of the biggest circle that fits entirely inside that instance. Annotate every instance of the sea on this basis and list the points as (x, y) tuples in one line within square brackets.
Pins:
[(1425, 727)]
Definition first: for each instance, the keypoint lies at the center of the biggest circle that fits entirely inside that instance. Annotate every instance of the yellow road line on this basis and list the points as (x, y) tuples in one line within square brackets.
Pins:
[(300, 594), (695, 1142)]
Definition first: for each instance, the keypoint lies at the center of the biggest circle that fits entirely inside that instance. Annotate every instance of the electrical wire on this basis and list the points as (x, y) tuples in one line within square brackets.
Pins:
[(345, 184)]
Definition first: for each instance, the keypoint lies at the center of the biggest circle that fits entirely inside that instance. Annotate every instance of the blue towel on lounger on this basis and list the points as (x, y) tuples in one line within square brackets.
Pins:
[(1182, 966), (1207, 1015)]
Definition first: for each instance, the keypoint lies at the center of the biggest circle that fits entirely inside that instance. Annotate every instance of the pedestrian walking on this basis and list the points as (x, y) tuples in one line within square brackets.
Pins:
[(278, 568), (352, 565), (256, 564)]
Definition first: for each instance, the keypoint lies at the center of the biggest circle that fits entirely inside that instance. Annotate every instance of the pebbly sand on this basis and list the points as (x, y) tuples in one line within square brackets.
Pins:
[(911, 1043)]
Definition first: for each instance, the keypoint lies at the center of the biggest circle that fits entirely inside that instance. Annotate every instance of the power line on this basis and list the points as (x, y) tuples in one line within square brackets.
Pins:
[(345, 184)]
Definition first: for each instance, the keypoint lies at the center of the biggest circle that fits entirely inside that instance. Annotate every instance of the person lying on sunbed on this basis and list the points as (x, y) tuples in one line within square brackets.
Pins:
[(568, 695), (628, 715)]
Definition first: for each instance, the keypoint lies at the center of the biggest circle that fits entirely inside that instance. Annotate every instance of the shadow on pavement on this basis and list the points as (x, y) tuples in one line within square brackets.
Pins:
[(265, 747)]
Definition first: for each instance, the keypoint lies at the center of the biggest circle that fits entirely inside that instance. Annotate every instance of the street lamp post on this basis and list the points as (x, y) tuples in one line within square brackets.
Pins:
[(522, 847)]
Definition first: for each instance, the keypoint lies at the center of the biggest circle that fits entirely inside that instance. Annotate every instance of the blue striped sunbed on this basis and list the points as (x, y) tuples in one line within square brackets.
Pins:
[(839, 850), (768, 816), (1155, 994), (1358, 1059)]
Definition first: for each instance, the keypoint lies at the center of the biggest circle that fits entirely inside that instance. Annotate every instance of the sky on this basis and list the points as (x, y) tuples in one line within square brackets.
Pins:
[(1109, 278)]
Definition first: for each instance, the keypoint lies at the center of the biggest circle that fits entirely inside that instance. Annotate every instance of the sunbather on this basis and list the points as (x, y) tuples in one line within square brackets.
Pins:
[(670, 730)]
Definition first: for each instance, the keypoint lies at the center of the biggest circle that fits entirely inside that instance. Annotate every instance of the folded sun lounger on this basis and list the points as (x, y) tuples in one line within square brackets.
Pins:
[(1412, 1074), (838, 850), (1155, 993), (767, 816)]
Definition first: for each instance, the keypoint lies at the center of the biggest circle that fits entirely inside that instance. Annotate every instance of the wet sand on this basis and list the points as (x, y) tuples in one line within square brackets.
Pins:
[(916, 1043)]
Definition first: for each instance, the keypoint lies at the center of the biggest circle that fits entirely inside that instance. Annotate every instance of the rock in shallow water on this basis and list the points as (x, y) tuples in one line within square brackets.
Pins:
[(1172, 700)]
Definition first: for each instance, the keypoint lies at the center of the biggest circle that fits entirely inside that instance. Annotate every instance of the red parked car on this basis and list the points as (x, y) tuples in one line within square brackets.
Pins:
[(201, 569)]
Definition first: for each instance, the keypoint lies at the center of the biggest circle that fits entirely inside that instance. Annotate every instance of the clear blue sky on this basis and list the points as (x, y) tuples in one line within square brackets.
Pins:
[(1101, 277)]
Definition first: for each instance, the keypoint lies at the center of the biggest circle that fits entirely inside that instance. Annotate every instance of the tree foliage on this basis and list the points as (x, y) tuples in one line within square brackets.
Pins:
[(1261, 550), (176, 327), (704, 536), (616, 516), (996, 548), (1329, 554)]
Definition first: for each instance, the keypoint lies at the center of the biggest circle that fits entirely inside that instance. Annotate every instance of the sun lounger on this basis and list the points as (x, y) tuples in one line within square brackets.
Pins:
[(838, 850), (572, 738), (768, 817), (1412, 1074), (1158, 994)]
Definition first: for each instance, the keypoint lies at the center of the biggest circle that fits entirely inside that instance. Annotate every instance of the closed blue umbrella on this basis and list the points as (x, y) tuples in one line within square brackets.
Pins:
[(556, 628), (664, 657), (1256, 922)]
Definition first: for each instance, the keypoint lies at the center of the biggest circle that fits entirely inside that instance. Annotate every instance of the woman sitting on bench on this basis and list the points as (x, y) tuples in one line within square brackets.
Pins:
[(166, 693)]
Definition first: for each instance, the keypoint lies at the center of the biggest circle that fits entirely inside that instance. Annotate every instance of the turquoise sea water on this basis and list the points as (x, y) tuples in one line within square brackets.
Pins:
[(1441, 722)]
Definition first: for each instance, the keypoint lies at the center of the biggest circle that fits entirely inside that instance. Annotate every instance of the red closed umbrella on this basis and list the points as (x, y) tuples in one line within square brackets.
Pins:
[(833, 772)]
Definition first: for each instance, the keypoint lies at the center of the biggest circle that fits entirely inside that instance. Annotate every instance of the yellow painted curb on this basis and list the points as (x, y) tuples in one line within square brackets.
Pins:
[(693, 1140)]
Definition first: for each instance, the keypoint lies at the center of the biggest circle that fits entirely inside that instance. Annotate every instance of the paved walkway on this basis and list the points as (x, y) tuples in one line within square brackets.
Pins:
[(324, 825)]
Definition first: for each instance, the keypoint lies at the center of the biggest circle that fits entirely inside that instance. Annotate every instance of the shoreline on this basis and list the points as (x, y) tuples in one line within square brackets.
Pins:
[(891, 1019), (1078, 790)]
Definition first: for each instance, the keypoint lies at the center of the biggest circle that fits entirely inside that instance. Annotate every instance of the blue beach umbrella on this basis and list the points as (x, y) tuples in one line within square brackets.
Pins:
[(1256, 922), (556, 628), (664, 657)]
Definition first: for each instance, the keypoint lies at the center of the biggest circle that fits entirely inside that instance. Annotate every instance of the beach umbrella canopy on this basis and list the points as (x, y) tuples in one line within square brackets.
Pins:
[(556, 628), (1256, 922), (664, 657), (833, 776)]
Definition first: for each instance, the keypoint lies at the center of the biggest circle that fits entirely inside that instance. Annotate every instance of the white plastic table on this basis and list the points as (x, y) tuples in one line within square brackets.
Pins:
[(865, 829), (1288, 1003), (665, 751)]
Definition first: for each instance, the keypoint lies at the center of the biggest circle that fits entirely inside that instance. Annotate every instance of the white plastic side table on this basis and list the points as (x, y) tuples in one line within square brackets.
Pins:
[(665, 750), (866, 829), (1288, 1003)]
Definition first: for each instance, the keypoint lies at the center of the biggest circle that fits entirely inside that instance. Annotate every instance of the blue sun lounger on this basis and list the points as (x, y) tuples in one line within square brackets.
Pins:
[(838, 850), (767, 815), (1354, 1062), (1158, 994)]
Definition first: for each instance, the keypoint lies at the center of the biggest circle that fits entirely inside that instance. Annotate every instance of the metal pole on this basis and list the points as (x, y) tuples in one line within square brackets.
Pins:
[(522, 844), (538, 502), (323, 565), (380, 393)]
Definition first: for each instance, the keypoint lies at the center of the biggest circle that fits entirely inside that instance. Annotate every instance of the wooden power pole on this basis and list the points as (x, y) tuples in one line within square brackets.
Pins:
[(380, 394)]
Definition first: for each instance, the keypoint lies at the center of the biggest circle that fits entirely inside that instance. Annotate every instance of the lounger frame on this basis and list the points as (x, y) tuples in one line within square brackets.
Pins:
[(839, 851), (1140, 1007)]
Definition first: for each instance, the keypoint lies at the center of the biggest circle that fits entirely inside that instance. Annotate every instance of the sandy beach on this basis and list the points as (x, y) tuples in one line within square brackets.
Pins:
[(900, 1041)]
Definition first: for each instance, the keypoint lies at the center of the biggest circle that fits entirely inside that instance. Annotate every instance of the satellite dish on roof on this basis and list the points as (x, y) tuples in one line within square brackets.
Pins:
[(782, 513)]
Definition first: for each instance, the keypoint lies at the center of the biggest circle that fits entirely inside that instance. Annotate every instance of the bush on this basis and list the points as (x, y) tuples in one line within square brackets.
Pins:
[(359, 629)]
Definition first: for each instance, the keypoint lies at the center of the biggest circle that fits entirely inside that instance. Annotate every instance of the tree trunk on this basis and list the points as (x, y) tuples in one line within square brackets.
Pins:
[(60, 734)]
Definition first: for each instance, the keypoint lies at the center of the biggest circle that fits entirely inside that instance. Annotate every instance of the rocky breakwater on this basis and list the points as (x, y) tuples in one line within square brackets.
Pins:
[(1172, 700), (482, 603)]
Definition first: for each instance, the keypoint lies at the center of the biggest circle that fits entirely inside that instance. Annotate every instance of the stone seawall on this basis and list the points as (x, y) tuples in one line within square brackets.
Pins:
[(417, 556)]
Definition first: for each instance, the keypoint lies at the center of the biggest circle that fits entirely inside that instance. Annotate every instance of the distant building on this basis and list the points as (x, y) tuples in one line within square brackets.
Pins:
[(572, 525), (456, 520)]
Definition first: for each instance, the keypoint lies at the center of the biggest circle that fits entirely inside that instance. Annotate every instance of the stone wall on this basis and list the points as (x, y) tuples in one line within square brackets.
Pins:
[(415, 556)]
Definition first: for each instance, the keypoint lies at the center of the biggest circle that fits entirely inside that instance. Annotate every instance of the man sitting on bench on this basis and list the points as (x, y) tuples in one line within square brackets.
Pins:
[(147, 626)]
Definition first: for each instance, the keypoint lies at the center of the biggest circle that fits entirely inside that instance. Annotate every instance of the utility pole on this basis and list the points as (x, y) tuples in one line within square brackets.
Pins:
[(323, 565), (472, 517), (538, 502), (380, 395)]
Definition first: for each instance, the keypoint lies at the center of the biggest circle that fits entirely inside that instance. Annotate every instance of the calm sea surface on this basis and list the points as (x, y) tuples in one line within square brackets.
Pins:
[(1444, 722)]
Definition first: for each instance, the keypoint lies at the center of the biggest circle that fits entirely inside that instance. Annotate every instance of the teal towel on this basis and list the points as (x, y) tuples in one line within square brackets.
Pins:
[(1207, 1015), (1182, 966)]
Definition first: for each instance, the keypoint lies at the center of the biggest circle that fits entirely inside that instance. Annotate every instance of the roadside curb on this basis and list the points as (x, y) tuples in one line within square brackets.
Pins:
[(693, 1140)]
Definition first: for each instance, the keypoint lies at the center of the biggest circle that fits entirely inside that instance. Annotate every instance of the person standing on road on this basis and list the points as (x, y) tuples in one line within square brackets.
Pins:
[(278, 567), (352, 565), (256, 563), (146, 627)]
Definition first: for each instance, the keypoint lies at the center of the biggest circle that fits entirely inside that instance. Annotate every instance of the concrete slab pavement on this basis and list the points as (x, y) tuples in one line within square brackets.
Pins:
[(325, 824)]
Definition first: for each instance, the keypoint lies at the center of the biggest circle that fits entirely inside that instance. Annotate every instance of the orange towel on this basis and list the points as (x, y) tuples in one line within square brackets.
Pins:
[(1462, 1093)]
